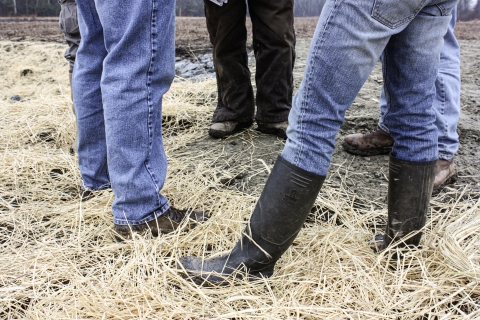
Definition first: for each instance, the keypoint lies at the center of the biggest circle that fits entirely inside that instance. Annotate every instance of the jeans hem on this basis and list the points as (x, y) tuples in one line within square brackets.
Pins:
[(445, 156), (100, 188), (149, 217), (383, 127)]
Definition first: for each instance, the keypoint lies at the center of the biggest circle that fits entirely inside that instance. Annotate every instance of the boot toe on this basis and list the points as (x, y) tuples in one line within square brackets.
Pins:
[(191, 264), (224, 129), (446, 174), (377, 244), (198, 216), (203, 271)]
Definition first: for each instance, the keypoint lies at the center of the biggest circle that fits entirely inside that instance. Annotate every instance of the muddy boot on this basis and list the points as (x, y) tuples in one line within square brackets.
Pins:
[(368, 144), (227, 128), (409, 189), (277, 128), (279, 215), (168, 222), (446, 174)]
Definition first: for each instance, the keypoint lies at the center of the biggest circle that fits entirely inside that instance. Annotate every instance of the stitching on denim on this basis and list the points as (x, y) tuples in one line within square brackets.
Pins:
[(442, 109), (308, 81), (442, 9), (153, 35), (390, 25), (388, 96)]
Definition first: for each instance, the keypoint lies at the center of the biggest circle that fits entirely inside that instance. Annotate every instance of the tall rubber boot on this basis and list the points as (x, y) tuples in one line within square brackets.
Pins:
[(410, 187), (279, 215), (74, 148)]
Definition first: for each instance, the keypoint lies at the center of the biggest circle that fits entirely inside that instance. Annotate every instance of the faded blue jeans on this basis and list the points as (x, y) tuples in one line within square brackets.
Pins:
[(348, 41), (124, 66), (446, 103)]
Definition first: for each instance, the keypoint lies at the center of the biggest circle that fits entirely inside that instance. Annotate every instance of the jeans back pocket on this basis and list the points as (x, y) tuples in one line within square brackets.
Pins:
[(394, 13)]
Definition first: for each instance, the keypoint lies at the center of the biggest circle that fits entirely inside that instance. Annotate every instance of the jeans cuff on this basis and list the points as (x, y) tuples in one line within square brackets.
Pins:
[(147, 218), (445, 156), (100, 188), (383, 127)]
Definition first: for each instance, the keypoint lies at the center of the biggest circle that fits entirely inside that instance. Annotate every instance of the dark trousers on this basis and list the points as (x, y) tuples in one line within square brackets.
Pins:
[(274, 48)]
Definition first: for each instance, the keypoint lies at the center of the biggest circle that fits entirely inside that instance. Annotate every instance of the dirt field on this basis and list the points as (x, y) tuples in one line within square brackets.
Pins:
[(58, 258)]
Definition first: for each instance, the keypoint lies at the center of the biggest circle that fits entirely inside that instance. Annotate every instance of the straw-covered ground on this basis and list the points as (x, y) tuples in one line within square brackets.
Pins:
[(59, 260)]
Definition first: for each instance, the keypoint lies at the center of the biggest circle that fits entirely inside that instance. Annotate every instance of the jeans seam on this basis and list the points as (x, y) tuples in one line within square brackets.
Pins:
[(149, 100), (442, 9), (442, 109), (387, 95), (375, 15), (321, 39)]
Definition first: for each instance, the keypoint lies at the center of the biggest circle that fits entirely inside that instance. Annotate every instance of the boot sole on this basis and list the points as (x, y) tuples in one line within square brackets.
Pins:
[(365, 152), (447, 181)]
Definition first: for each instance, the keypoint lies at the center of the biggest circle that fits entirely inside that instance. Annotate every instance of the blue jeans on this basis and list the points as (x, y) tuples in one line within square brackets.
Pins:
[(124, 66), (348, 41), (446, 103)]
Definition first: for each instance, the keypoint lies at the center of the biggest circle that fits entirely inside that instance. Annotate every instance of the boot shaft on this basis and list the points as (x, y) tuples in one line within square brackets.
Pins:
[(283, 207), (409, 191)]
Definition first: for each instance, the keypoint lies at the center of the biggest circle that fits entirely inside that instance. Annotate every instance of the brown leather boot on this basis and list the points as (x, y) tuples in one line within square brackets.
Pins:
[(166, 223), (368, 144), (446, 173)]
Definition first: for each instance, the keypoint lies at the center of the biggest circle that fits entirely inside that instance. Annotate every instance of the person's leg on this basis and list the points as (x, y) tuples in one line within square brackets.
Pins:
[(447, 108), (92, 147), (228, 35), (447, 95), (274, 46), (119, 108), (349, 39), (69, 25), (447, 99), (447, 111), (411, 121), (138, 70)]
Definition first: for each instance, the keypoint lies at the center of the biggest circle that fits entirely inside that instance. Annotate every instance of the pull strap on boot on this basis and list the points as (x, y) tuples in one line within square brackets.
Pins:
[(283, 207), (409, 190)]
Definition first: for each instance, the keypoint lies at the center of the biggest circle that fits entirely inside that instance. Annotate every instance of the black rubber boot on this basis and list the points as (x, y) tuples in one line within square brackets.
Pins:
[(410, 187), (279, 215)]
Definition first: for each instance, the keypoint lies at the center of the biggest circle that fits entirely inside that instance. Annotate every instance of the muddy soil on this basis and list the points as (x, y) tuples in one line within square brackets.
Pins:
[(247, 157)]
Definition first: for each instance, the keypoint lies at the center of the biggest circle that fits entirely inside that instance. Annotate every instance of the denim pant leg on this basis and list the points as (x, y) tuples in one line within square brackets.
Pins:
[(410, 69), (446, 103), (92, 146), (348, 41), (447, 99), (138, 70)]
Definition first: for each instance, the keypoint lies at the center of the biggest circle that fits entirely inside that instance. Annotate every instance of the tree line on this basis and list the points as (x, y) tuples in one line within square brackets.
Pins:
[(39, 8), (467, 9), (195, 8)]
